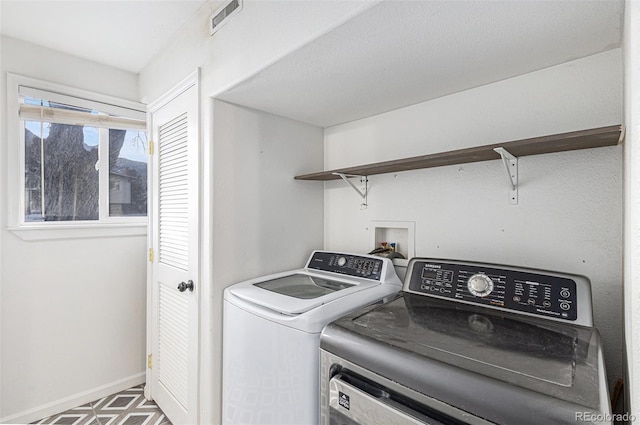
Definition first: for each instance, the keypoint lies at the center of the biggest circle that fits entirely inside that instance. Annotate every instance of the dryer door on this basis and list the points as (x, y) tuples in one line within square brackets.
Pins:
[(356, 402)]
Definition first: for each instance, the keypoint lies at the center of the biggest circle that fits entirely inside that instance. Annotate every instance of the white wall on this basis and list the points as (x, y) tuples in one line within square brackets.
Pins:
[(569, 215), (632, 202), (73, 310), (264, 221)]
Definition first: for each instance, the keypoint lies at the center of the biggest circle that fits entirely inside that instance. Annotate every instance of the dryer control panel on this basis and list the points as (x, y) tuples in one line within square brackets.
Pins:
[(348, 264), (531, 292)]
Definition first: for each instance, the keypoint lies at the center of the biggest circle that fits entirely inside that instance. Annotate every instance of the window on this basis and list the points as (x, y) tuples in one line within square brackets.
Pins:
[(82, 159)]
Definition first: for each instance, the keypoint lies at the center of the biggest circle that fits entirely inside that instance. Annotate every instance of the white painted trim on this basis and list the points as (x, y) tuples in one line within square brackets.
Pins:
[(15, 179), (631, 301), (209, 386), (77, 231), (191, 80), (74, 400), (105, 226)]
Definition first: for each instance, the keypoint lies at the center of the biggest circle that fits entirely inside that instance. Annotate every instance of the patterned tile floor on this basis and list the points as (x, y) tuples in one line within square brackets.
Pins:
[(128, 407)]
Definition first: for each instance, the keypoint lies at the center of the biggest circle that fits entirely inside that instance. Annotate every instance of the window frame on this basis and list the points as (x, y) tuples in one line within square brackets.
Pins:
[(105, 226)]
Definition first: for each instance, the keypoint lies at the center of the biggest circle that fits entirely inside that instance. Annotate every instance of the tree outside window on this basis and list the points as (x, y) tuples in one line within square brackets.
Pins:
[(64, 153)]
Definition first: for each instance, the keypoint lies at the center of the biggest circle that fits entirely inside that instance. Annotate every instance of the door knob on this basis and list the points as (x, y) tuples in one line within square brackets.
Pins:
[(184, 286)]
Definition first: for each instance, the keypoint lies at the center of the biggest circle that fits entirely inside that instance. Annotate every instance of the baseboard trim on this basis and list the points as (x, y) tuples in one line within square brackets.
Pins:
[(66, 403)]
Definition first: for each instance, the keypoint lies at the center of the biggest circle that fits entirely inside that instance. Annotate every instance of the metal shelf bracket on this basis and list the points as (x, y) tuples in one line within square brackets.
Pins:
[(362, 192), (511, 165)]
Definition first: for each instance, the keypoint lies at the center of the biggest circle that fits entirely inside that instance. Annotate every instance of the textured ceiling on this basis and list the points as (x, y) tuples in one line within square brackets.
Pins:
[(122, 34), (400, 53), (394, 54)]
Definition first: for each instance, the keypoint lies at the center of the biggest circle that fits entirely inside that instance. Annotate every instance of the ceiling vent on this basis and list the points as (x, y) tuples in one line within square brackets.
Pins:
[(222, 15)]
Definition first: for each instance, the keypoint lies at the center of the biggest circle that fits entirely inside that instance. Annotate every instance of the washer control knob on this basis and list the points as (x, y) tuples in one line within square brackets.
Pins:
[(480, 285), (342, 261)]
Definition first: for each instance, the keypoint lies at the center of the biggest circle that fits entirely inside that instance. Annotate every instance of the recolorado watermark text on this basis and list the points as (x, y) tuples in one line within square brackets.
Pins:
[(600, 417)]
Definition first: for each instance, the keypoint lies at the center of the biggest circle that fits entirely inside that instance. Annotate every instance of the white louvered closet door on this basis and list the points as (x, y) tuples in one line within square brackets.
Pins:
[(175, 316)]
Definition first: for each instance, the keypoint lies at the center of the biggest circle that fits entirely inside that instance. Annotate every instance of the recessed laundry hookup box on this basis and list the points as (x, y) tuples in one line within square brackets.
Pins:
[(400, 233)]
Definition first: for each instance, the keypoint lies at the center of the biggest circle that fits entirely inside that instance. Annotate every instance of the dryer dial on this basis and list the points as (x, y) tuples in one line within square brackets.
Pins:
[(480, 285)]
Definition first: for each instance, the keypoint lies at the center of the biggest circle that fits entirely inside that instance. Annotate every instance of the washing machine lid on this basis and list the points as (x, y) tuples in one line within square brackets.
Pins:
[(298, 292)]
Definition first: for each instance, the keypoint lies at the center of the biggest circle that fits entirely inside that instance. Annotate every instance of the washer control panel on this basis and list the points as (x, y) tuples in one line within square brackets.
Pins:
[(347, 264), (532, 292)]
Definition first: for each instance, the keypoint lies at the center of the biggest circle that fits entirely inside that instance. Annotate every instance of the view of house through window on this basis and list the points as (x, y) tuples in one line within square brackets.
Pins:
[(65, 149), (127, 173)]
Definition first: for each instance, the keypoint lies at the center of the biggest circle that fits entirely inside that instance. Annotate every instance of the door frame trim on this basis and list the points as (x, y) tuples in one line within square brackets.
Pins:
[(192, 79)]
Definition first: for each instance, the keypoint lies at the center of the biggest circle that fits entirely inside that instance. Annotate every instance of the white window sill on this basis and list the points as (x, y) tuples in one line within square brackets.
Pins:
[(77, 231)]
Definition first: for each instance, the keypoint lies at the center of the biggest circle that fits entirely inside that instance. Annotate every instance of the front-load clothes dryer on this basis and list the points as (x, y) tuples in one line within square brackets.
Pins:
[(272, 328), (468, 343)]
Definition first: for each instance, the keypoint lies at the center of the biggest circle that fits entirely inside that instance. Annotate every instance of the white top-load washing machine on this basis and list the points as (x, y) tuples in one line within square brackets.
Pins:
[(272, 328)]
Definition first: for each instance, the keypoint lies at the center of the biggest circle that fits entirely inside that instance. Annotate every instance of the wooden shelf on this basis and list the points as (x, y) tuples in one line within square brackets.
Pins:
[(583, 139)]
